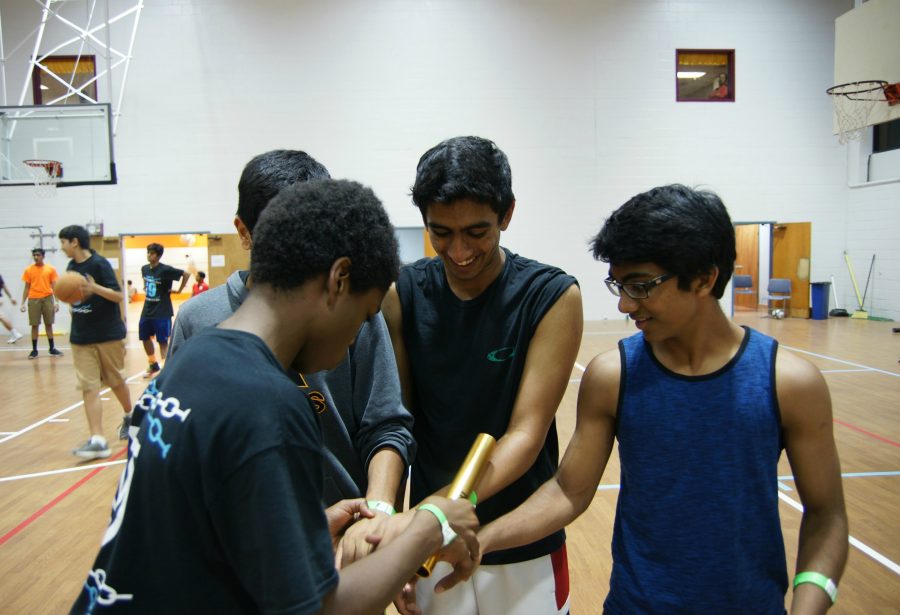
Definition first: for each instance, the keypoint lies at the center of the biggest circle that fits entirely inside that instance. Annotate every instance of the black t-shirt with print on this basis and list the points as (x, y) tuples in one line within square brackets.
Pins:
[(218, 508)]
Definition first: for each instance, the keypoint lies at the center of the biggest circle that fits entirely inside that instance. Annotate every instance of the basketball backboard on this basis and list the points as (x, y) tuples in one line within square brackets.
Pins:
[(867, 47), (77, 136)]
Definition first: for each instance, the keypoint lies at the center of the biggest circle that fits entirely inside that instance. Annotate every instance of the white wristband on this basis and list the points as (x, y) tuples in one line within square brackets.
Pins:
[(446, 531), (381, 506)]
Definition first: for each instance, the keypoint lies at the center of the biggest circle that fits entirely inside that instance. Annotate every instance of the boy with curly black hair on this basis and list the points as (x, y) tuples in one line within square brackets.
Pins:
[(219, 506)]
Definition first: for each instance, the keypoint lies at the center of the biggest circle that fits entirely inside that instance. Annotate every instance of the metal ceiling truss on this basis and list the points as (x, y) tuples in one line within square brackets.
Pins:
[(86, 37)]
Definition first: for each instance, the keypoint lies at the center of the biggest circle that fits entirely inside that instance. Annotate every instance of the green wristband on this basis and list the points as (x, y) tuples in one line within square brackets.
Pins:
[(381, 506), (820, 580), (473, 497), (446, 531)]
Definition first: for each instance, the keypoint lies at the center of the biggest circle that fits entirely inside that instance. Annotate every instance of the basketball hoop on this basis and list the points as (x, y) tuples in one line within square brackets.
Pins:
[(46, 174), (853, 102)]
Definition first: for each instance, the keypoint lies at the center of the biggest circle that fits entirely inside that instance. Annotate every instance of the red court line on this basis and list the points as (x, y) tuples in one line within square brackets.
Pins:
[(868, 433), (46, 507)]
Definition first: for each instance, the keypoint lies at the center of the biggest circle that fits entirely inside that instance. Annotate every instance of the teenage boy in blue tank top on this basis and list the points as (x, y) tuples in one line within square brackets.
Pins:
[(701, 409), (218, 509), (485, 341)]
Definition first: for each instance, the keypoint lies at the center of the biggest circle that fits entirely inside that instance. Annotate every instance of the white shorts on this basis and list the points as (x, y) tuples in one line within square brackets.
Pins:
[(536, 587)]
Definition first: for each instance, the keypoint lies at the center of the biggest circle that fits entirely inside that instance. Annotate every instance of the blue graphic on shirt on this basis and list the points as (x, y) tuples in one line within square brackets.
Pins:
[(101, 593), (150, 289), (154, 434), (502, 354), (157, 410)]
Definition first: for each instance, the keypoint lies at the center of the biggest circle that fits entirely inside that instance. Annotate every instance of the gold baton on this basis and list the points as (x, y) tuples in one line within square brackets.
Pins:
[(466, 480)]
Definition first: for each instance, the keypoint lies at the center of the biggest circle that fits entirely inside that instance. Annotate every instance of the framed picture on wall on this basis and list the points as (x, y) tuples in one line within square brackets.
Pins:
[(704, 75)]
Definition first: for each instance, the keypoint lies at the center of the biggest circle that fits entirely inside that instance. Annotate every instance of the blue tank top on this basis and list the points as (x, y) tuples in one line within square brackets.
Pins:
[(697, 527)]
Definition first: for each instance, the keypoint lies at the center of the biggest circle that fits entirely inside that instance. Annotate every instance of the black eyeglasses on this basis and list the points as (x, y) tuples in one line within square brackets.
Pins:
[(636, 290)]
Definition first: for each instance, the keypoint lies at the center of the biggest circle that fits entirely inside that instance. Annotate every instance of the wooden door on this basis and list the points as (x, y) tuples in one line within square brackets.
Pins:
[(110, 248), (747, 262), (790, 259), (226, 255)]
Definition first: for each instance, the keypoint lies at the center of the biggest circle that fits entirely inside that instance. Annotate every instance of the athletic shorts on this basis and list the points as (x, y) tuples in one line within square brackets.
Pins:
[(99, 364), (38, 308), (536, 587), (160, 328)]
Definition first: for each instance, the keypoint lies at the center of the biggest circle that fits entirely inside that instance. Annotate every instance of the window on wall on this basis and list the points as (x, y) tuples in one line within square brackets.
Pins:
[(704, 75), (65, 80), (886, 136)]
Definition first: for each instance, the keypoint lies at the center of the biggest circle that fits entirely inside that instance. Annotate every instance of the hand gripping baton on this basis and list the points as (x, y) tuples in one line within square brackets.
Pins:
[(466, 480)]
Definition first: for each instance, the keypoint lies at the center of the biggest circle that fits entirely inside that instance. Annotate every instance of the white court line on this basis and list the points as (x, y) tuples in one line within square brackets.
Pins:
[(822, 356), (89, 466), (16, 434), (878, 557), (52, 417)]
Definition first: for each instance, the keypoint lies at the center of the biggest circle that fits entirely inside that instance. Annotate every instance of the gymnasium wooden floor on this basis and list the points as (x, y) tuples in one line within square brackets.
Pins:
[(53, 510)]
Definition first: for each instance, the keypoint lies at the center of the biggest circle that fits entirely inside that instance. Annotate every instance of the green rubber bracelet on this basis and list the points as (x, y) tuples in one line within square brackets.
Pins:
[(473, 497), (819, 580)]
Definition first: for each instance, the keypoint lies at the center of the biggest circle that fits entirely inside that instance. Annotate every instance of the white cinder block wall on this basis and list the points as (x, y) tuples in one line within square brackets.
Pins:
[(580, 94)]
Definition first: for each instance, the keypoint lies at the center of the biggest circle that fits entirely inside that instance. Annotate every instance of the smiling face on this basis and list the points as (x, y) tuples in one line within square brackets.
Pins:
[(465, 235), (668, 311)]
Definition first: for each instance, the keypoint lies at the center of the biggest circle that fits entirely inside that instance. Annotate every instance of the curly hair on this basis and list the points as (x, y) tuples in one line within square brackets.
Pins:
[(310, 225), (266, 174), (685, 231), (464, 168)]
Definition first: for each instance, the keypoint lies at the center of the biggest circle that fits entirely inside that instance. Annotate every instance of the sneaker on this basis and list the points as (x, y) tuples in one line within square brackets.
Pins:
[(14, 337), (56, 352), (123, 428), (92, 450), (33, 354), (152, 370)]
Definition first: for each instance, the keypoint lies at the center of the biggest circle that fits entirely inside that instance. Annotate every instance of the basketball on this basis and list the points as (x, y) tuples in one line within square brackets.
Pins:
[(68, 287)]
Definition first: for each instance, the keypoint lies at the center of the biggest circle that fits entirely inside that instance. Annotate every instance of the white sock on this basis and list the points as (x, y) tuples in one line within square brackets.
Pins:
[(95, 439)]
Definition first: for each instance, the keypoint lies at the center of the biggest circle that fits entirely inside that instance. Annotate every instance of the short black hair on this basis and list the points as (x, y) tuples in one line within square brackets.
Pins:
[(464, 168), (157, 248), (201, 275), (266, 174), (38, 251), (310, 225), (685, 231), (73, 231)]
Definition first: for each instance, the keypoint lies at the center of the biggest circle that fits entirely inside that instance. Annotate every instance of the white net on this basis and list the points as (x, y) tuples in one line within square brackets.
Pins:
[(853, 103), (45, 174)]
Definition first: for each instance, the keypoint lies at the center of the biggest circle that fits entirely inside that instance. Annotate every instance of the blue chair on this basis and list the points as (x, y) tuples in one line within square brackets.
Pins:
[(779, 290), (743, 284)]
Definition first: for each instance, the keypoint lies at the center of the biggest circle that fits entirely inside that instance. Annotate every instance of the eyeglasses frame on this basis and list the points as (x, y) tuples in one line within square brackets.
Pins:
[(617, 288)]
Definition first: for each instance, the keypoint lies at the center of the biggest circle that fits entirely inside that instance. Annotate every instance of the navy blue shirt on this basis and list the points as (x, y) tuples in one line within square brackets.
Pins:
[(697, 527), (157, 288), (96, 319), (218, 507)]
